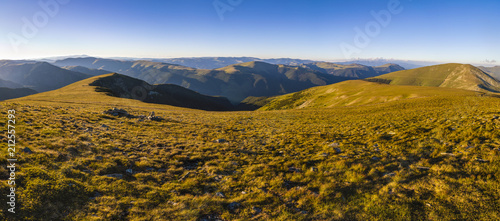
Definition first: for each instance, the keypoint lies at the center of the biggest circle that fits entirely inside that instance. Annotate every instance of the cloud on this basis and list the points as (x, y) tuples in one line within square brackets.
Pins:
[(490, 61)]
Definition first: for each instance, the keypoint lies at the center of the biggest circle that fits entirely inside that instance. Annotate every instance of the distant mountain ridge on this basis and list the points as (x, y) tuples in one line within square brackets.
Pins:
[(493, 71), (353, 70), (236, 82), (11, 93), (9, 84), (39, 76), (445, 80), (127, 87), (461, 76), (219, 62)]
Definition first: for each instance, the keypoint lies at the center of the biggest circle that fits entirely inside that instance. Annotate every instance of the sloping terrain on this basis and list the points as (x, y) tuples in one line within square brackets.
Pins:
[(236, 82), (105, 89), (428, 158), (353, 70), (39, 76), (493, 71), (126, 87), (9, 84), (461, 76), (89, 71), (11, 93), (355, 93), (219, 62)]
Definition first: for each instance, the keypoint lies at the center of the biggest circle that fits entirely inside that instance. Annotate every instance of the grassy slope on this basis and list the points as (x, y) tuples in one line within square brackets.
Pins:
[(462, 76), (81, 93), (357, 92), (281, 163)]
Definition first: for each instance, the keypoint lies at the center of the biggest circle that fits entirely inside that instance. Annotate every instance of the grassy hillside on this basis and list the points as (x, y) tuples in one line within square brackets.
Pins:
[(127, 87), (236, 82), (431, 158), (122, 90), (358, 92), (462, 76)]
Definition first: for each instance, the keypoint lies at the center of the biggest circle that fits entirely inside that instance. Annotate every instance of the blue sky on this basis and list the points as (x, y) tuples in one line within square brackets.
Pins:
[(430, 30)]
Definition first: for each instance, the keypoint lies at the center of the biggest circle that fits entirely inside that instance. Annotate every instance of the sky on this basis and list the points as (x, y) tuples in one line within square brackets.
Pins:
[(426, 30)]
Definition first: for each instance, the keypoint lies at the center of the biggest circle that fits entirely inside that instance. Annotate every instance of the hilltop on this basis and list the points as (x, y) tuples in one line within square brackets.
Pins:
[(105, 89), (461, 76), (446, 80), (236, 82), (430, 157), (355, 93), (39, 76)]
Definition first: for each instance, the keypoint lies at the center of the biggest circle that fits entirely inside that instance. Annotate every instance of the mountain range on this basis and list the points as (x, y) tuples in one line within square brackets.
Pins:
[(39, 76), (461, 76), (439, 80), (236, 81), (493, 71)]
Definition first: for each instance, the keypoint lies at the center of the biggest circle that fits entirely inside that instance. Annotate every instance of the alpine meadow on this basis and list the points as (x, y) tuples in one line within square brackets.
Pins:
[(249, 110)]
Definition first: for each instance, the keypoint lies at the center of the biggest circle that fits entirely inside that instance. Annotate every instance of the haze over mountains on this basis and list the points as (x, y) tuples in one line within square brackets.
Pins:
[(122, 86), (236, 81), (39, 76), (493, 71), (461, 76), (439, 80), (249, 81)]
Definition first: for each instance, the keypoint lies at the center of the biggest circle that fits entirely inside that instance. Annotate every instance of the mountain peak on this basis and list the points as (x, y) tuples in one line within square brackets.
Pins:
[(452, 75)]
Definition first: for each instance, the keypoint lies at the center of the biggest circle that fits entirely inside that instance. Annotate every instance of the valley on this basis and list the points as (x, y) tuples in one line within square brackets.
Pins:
[(355, 150)]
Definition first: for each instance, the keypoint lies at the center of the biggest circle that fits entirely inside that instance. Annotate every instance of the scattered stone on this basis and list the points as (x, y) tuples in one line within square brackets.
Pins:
[(115, 175), (154, 118), (233, 206), (117, 112), (314, 169), (448, 154), (482, 160), (375, 158), (375, 145), (337, 150), (27, 150), (243, 192), (220, 194), (389, 175), (324, 154), (130, 171), (423, 168), (220, 141), (334, 145), (469, 147), (149, 169)]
